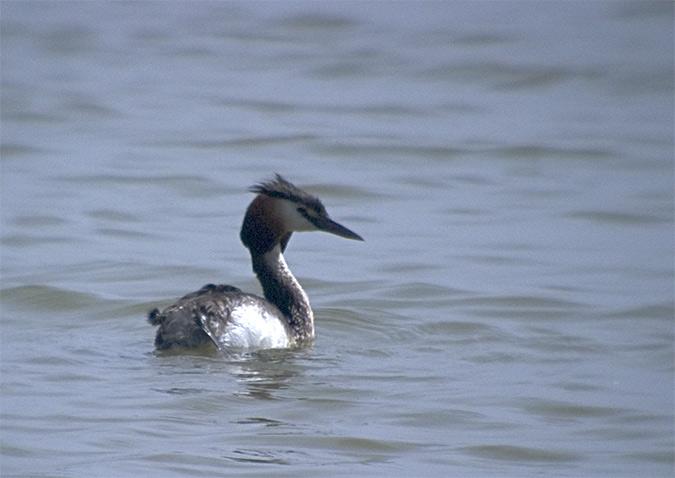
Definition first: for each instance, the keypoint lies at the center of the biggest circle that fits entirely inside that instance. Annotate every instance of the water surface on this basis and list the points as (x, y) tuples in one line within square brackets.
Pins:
[(509, 164)]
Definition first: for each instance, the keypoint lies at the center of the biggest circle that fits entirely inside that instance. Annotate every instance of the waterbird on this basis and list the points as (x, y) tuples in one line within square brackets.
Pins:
[(236, 320)]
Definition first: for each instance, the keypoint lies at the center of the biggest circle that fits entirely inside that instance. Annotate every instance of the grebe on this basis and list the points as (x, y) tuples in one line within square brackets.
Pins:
[(232, 319)]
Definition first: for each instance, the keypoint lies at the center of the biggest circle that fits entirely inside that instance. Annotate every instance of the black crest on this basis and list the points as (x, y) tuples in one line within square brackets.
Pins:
[(280, 188)]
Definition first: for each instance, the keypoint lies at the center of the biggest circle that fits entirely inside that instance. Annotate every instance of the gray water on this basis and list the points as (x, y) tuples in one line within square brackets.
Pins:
[(510, 166)]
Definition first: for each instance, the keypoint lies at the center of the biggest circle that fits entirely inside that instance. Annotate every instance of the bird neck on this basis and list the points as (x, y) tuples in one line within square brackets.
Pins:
[(283, 290)]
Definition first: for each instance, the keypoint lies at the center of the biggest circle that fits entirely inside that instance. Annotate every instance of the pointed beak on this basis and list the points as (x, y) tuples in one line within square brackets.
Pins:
[(326, 224)]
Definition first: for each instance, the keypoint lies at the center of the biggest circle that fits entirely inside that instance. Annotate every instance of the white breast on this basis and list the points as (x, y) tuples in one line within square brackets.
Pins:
[(253, 327)]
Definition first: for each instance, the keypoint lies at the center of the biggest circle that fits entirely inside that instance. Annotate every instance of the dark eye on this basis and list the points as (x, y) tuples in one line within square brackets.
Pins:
[(309, 214)]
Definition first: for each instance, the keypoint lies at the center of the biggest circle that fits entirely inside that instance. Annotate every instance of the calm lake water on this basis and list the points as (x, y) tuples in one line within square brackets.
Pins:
[(509, 164)]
